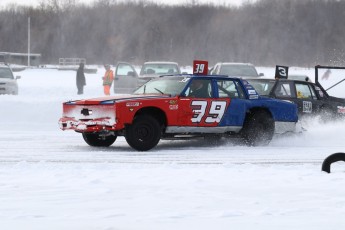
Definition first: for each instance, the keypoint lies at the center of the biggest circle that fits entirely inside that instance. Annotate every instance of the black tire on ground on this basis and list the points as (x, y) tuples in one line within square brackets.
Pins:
[(144, 133), (96, 140), (326, 165), (258, 129)]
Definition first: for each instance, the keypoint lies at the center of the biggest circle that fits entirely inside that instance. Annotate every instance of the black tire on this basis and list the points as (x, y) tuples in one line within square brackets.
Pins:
[(326, 165), (144, 133), (96, 140), (258, 129)]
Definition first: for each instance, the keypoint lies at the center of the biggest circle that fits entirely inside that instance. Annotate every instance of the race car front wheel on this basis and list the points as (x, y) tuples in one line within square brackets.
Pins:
[(97, 140), (144, 133), (258, 129)]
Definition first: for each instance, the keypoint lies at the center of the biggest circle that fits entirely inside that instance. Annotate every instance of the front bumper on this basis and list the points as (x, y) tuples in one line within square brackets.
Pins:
[(96, 125), (8, 89), (88, 118)]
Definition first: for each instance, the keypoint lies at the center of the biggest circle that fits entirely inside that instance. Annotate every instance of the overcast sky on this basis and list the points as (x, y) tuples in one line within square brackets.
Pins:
[(170, 2)]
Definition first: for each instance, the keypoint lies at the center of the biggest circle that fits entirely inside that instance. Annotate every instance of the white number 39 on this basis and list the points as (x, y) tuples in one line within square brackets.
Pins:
[(215, 113), (199, 68)]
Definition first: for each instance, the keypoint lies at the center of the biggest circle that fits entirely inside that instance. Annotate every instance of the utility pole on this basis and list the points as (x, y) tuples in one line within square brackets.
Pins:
[(28, 41)]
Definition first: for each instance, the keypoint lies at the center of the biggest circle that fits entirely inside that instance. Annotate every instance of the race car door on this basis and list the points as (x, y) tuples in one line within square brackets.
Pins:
[(307, 101), (300, 93), (197, 106), (200, 110), (125, 79), (232, 93)]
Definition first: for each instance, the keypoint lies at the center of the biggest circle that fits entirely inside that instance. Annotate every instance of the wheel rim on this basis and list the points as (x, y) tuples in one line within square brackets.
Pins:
[(143, 133)]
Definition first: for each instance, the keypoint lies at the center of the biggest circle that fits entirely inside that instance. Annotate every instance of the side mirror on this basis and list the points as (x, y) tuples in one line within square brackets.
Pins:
[(261, 75), (184, 73), (18, 77)]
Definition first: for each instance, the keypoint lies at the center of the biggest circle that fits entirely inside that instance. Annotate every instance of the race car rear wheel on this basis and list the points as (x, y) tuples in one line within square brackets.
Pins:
[(144, 133), (327, 115), (258, 129), (97, 140)]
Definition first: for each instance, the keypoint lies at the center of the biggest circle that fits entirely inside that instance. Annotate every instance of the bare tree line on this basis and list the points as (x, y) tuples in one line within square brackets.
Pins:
[(269, 32)]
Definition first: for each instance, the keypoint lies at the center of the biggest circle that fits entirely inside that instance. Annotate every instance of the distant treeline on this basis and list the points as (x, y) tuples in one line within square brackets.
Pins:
[(269, 32)]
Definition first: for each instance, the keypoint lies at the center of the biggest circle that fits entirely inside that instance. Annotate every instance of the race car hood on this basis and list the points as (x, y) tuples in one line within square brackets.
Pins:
[(148, 77), (113, 99)]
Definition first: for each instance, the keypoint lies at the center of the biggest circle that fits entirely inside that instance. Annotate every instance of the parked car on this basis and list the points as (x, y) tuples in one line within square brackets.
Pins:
[(8, 83), (311, 98), (125, 78), (169, 107), (234, 69), (154, 69)]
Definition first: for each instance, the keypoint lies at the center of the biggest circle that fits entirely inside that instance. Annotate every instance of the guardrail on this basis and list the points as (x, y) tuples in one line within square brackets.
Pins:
[(71, 61)]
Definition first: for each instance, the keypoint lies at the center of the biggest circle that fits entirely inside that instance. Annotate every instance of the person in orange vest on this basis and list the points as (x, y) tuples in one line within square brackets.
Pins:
[(107, 79)]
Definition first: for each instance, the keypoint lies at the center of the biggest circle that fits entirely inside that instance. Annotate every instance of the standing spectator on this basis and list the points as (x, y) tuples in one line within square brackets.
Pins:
[(81, 82), (107, 79)]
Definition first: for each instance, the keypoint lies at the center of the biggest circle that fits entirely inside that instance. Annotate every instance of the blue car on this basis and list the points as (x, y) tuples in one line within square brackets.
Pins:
[(247, 115)]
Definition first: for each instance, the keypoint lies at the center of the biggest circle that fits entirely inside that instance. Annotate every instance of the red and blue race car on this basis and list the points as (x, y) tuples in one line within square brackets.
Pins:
[(180, 105)]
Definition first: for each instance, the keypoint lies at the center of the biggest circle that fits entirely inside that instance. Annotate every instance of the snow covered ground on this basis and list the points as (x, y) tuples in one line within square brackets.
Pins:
[(50, 179)]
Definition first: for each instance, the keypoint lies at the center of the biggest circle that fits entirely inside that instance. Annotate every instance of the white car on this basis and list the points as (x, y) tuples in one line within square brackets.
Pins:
[(235, 69), (153, 69), (127, 79), (8, 83)]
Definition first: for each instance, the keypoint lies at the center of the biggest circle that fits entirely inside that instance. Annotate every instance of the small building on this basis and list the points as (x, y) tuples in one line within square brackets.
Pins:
[(20, 58), (73, 64)]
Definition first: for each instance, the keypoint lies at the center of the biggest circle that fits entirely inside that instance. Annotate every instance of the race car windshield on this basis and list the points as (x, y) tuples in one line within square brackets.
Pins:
[(263, 88), (164, 85)]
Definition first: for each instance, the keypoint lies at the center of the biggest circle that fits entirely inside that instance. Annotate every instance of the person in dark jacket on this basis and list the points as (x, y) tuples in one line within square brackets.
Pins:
[(81, 82), (199, 89)]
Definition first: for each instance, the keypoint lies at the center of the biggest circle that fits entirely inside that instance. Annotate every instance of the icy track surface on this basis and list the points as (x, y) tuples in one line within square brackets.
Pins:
[(50, 179)]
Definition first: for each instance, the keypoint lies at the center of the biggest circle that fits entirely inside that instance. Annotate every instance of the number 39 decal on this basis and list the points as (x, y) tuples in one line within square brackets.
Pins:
[(215, 112), (200, 67)]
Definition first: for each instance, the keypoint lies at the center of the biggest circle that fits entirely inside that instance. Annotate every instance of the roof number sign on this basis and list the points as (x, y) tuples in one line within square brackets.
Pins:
[(200, 67)]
